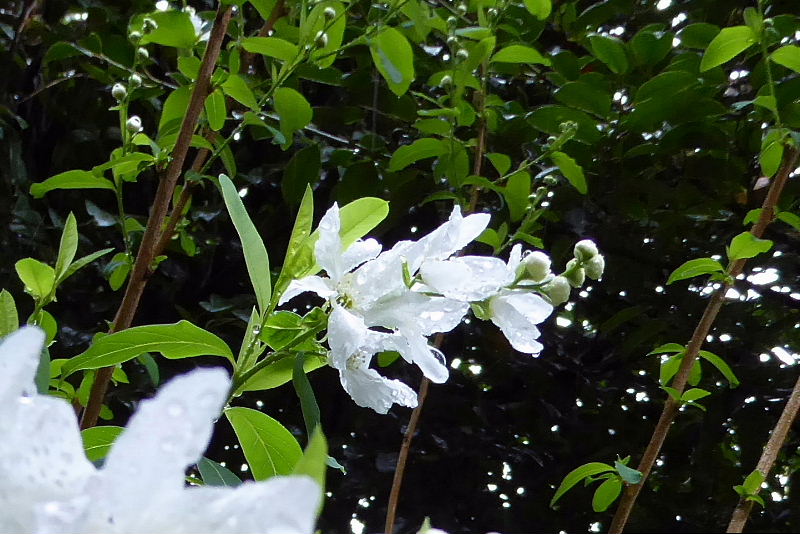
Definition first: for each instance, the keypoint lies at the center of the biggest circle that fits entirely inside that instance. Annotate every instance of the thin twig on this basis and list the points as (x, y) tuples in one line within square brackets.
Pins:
[(278, 11), (671, 406), (770, 454), (142, 267)]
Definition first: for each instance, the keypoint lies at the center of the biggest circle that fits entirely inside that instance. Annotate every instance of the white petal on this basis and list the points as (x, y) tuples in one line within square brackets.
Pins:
[(414, 348), (315, 284), (19, 357), (469, 278), (422, 313), (358, 253), (370, 390), (514, 259), (516, 315), (328, 249), (347, 334), (165, 435), (376, 279)]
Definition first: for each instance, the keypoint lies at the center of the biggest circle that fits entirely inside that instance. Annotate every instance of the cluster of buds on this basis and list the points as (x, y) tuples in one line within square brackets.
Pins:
[(120, 91), (587, 261)]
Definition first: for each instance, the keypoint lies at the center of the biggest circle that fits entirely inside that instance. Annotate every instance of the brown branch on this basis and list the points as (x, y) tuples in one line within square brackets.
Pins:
[(693, 348), (770, 454), (142, 267), (278, 11)]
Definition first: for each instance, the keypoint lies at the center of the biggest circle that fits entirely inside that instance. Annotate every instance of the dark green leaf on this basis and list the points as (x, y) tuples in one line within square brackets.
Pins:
[(519, 54), (294, 111), (628, 474), (427, 147), (610, 51), (215, 110), (214, 474), (571, 171)]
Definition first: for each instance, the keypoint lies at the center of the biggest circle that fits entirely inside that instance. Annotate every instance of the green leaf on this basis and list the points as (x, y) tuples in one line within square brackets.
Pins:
[(500, 162), (214, 474), (571, 171), (308, 401), (516, 193), (215, 110), (752, 484), (672, 392), (264, 7), (71, 180), (695, 267), (67, 247), (578, 474), (610, 51), (539, 8), (39, 278), (314, 459), (427, 147), (694, 394), (746, 245), (269, 448), (294, 111), (698, 35), (753, 216), (294, 262), (394, 59), (83, 262), (585, 96), (255, 254), (302, 171), (316, 22), (189, 66), (721, 366), (119, 267), (628, 474), (669, 368), (174, 29), (771, 154), (271, 47), (606, 494), (519, 54), (97, 441), (178, 340), (236, 88), (172, 113), (791, 219), (788, 56), (667, 348), (9, 318), (278, 373), (728, 44)]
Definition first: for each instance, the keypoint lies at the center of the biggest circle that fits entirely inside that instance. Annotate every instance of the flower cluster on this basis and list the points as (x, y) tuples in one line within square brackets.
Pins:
[(393, 300), (47, 485)]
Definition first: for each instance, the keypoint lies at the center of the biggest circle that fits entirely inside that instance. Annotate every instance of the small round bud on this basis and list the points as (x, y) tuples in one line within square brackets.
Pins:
[(462, 9), (135, 81), (329, 13), (540, 191), (119, 92), (134, 124), (550, 180), (190, 10), (135, 37), (452, 21), (492, 12), (446, 81), (537, 264), (149, 24), (594, 267), (557, 290), (142, 53), (462, 54), (452, 40), (585, 250), (321, 40), (574, 273)]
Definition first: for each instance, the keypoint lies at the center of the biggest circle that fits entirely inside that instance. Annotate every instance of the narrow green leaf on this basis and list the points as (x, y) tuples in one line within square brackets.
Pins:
[(9, 319), (67, 247), (788, 56), (394, 59), (791, 219), (728, 44), (571, 171), (771, 155), (215, 110), (516, 193), (314, 459), (694, 394), (236, 88), (427, 147), (255, 254), (178, 340), (520, 54), (746, 245), (97, 441), (610, 51), (606, 494), (539, 8), (300, 232), (669, 368), (84, 261), (172, 113), (271, 47), (215, 474), (721, 366), (628, 474), (71, 180), (269, 448), (308, 401), (39, 278), (578, 474), (667, 348), (693, 268), (294, 111)]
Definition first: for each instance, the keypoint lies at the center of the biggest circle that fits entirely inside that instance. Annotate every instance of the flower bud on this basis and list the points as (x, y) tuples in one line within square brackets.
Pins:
[(537, 264), (557, 290), (594, 267), (119, 92), (148, 24), (321, 40), (452, 21), (134, 124), (550, 180), (462, 9), (452, 40), (491, 12), (135, 37), (142, 53), (446, 81), (585, 250), (574, 273), (329, 13), (134, 81), (462, 54)]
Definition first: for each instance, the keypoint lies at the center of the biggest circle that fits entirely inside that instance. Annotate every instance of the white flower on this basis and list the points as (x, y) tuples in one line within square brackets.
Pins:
[(368, 289), (47, 485), (585, 250), (595, 267), (537, 264)]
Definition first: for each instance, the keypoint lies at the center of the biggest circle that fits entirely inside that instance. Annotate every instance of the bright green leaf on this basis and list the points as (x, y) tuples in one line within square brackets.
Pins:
[(84, 261), (269, 448), (519, 54), (427, 147), (236, 88), (539, 8), (278, 373), (71, 180), (791, 219), (721, 366), (394, 59), (294, 111), (667, 348), (215, 110), (578, 474), (695, 267), (694, 394), (68, 246), (516, 193), (610, 51), (746, 245), (174, 29), (9, 318), (39, 278), (97, 441), (271, 47), (788, 56), (571, 171), (606, 494), (315, 457), (728, 44), (500, 162)]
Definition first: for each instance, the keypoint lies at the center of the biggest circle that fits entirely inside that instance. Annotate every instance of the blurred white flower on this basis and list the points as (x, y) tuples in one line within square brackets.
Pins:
[(47, 485)]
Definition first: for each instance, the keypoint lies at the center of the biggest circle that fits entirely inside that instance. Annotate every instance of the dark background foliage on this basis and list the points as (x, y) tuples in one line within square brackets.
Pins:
[(498, 437)]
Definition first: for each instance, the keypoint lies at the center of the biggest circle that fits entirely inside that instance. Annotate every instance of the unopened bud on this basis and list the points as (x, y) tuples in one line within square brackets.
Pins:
[(134, 124), (462, 54), (537, 264), (594, 267), (462, 9), (135, 37), (452, 40), (134, 81), (452, 21), (574, 273), (329, 13), (557, 290), (190, 10), (119, 92), (585, 250), (446, 80), (321, 40), (550, 180), (149, 24), (142, 53), (492, 12)]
